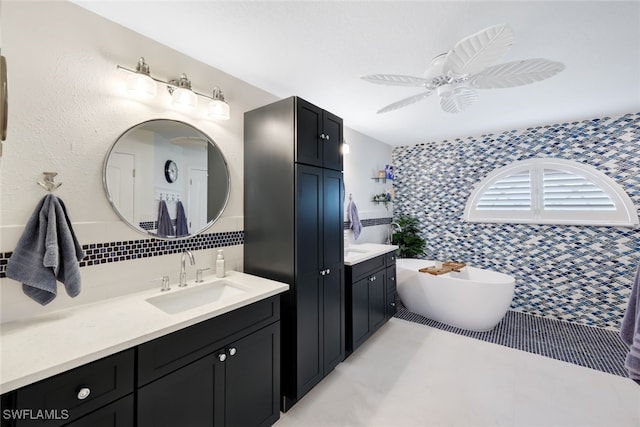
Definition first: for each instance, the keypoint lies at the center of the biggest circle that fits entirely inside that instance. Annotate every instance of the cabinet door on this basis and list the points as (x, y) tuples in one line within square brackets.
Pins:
[(332, 142), (252, 379), (333, 260), (186, 397), (360, 311), (309, 146), (377, 300), (308, 281), (333, 314)]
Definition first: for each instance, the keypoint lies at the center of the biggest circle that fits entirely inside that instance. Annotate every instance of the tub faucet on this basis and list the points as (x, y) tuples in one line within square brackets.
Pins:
[(183, 272), (393, 227)]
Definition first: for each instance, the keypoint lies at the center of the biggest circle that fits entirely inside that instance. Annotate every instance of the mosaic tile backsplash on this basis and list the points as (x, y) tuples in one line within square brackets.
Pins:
[(128, 250), (580, 274)]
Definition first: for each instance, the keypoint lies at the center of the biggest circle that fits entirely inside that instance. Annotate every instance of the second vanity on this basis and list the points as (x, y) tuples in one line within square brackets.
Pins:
[(207, 354), (370, 290)]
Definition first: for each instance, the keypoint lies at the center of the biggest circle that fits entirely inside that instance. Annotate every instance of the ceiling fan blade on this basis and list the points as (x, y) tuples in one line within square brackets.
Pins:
[(404, 102), (396, 80), (472, 54), (458, 100), (516, 73)]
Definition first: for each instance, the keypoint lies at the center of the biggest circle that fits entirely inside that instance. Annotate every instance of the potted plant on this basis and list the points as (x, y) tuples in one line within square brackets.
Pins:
[(407, 238)]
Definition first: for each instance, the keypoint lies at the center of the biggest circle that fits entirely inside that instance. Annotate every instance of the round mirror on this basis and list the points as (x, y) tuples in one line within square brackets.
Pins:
[(166, 179)]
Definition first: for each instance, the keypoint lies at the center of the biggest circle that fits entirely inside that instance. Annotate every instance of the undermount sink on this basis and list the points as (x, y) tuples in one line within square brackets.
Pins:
[(182, 300), (351, 251)]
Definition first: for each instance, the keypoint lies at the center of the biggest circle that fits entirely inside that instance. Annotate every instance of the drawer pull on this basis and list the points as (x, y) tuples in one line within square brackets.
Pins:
[(84, 393), (222, 357), (232, 351)]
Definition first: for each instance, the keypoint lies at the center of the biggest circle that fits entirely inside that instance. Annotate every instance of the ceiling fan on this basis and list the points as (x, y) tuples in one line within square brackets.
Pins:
[(455, 75)]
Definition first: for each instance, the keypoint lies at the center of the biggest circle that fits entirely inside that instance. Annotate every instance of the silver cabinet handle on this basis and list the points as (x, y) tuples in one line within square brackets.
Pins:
[(84, 393), (328, 271), (222, 357), (372, 278), (232, 351), (323, 272), (322, 136), (326, 137)]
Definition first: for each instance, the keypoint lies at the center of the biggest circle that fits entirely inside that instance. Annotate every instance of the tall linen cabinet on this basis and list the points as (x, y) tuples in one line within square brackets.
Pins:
[(294, 232)]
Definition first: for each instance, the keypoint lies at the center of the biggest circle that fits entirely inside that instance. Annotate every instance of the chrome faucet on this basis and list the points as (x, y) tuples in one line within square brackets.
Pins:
[(183, 270), (393, 227)]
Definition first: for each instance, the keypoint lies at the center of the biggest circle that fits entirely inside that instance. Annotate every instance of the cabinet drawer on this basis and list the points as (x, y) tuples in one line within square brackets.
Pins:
[(170, 352), (365, 268), (390, 259), (391, 278), (106, 380), (116, 414)]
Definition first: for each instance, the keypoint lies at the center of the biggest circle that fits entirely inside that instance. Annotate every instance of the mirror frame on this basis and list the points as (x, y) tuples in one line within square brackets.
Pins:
[(146, 232)]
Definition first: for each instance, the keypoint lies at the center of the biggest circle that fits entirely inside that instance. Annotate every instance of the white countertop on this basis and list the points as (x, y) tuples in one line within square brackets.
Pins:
[(354, 254), (46, 345)]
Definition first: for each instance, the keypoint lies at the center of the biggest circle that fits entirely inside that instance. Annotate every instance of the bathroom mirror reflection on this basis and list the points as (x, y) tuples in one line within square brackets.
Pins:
[(166, 179)]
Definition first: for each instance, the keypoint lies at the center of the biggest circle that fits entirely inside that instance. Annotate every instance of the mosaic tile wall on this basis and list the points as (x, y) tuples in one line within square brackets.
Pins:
[(580, 274), (102, 253)]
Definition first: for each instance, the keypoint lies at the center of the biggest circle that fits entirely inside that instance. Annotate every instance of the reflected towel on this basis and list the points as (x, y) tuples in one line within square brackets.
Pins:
[(630, 330), (164, 221), (48, 250), (355, 223), (182, 227)]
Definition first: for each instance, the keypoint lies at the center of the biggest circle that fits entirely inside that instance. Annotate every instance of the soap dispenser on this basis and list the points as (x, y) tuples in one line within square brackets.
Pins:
[(220, 264)]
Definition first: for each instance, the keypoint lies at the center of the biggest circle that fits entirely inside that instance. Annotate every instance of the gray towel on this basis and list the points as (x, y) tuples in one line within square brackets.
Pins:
[(164, 221), (47, 251), (630, 330), (355, 223), (182, 228)]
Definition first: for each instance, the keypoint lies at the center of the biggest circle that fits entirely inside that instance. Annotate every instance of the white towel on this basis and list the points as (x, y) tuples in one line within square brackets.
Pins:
[(630, 330), (355, 223)]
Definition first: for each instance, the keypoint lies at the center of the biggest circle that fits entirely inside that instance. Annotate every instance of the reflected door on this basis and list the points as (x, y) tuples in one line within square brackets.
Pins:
[(197, 211), (120, 179)]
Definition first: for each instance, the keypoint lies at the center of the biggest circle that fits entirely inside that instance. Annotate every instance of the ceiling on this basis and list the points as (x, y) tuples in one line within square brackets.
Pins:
[(319, 50)]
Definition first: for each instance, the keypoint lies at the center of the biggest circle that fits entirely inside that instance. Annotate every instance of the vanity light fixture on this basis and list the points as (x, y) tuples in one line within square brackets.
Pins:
[(141, 84), (218, 107)]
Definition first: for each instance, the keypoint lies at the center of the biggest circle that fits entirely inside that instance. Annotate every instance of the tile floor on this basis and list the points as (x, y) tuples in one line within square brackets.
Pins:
[(409, 374)]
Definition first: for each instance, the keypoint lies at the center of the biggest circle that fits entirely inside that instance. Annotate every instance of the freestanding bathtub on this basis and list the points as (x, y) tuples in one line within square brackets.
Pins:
[(473, 299)]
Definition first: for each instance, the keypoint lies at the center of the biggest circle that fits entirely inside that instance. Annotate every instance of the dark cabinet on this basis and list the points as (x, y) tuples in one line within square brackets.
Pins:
[(370, 298), (319, 136), (231, 387), (220, 372), (293, 213)]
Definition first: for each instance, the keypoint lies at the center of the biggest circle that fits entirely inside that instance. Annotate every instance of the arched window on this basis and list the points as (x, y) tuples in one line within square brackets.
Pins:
[(550, 191)]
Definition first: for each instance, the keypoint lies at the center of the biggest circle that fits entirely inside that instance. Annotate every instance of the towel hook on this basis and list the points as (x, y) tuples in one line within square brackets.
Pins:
[(49, 183)]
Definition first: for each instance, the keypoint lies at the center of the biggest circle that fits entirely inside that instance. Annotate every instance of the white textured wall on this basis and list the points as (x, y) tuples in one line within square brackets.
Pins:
[(67, 107)]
